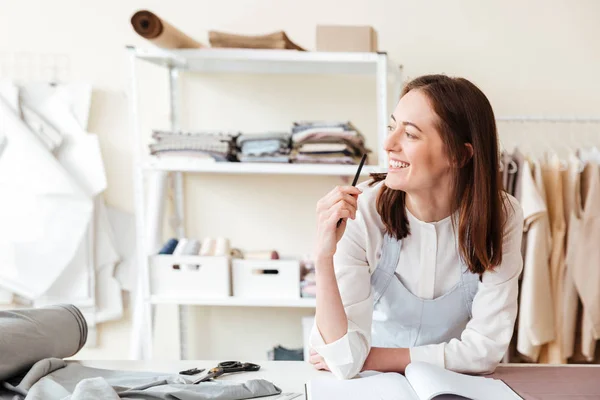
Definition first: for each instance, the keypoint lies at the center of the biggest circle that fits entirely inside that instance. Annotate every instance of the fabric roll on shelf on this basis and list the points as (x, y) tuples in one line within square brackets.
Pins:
[(159, 32)]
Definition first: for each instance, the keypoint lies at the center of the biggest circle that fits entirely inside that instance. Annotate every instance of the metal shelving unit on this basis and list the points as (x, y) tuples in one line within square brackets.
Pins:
[(387, 75)]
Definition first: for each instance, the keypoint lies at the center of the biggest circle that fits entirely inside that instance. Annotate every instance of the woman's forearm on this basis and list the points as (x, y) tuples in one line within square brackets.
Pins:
[(330, 314), (387, 359)]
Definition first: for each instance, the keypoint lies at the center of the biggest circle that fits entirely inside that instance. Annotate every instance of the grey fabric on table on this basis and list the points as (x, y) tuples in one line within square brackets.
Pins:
[(34, 341), (29, 335), (54, 379)]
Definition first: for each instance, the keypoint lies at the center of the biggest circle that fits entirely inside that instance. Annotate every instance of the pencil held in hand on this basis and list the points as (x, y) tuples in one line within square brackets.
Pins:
[(362, 162)]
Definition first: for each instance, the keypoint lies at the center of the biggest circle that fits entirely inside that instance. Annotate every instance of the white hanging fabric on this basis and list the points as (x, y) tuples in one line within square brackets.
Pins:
[(41, 205), (49, 123)]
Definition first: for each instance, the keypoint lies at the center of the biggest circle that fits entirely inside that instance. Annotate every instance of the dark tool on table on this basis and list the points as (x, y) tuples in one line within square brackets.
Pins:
[(227, 367), (362, 161), (192, 371)]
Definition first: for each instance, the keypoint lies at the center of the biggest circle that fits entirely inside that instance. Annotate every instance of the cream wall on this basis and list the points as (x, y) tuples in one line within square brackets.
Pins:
[(530, 58)]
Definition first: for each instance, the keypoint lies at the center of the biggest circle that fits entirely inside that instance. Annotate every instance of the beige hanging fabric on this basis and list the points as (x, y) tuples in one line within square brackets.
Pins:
[(536, 318), (573, 212), (586, 271), (552, 352)]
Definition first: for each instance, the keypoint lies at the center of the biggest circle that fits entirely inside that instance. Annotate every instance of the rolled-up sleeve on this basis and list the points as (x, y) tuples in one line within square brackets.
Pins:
[(346, 356), (487, 335)]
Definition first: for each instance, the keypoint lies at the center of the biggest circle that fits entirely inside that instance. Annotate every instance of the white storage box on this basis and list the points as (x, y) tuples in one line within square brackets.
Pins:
[(190, 277), (266, 279)]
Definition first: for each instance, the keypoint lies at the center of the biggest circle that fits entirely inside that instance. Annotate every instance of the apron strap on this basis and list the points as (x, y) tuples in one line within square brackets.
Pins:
[(386, 267)]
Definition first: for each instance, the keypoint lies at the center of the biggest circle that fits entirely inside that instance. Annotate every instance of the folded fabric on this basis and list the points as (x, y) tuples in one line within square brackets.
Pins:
[(328, 134), (275, 40), (219, 145), (259, 148), (304, 125), (308, 148), (54, 379), (265, 159), (30, 335), (323, 159), (281, 136)]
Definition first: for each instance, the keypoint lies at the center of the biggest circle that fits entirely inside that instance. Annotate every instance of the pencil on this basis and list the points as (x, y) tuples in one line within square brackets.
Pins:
[(362, 162)]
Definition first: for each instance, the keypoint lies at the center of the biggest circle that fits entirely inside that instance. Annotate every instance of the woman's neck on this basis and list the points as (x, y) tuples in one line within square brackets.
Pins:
[(429, 206)]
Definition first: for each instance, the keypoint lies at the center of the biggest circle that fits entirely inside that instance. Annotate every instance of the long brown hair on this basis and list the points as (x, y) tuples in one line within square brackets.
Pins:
[(464, 116)]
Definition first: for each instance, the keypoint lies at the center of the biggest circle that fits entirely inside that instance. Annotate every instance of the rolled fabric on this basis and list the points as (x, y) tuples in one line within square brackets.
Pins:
[(30, 335), (149, 26)]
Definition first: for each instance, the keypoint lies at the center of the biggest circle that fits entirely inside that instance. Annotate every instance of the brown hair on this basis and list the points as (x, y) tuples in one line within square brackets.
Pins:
[(465, 116)]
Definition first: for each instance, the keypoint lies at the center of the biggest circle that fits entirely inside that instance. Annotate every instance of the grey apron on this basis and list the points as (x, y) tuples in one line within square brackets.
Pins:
[(402, 319)]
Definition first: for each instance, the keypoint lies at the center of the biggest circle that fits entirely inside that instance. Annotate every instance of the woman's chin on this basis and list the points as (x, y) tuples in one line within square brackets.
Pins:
[(394, 183)]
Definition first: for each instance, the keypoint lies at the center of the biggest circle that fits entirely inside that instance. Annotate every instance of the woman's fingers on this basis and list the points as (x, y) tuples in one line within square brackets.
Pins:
[(347, 193), (317, 361)]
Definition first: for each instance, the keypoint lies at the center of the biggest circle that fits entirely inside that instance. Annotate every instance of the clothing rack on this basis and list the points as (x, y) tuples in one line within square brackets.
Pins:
[(544, 119)]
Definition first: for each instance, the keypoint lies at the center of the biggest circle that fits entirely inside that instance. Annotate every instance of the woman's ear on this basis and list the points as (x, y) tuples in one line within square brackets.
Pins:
[(467, 155)]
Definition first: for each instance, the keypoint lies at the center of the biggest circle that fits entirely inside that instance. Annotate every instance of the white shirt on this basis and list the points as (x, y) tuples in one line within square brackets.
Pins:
[(428, 267)]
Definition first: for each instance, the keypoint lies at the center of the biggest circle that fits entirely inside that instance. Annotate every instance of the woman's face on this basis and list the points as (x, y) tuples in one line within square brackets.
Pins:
[(417, 161)]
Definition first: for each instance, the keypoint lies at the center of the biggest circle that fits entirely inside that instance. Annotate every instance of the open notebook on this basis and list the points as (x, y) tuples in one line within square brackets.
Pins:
[(422, 381)]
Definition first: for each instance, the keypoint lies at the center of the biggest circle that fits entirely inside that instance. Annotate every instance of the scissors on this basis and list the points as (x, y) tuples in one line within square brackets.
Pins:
[(227, 367)]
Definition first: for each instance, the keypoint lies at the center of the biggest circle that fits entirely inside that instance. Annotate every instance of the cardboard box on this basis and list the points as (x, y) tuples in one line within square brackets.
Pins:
[(346, 38)]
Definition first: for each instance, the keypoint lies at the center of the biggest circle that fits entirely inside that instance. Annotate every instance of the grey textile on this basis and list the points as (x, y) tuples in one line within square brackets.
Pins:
[(54, 379), (29, 335)]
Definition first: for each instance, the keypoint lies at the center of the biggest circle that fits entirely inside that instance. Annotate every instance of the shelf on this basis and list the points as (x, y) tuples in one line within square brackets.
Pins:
[(237, 302), (182, 164), (265, 61)]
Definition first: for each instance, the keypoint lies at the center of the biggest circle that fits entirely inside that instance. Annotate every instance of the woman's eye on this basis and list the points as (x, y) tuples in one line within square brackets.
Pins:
[(390, 128), (409, 135)]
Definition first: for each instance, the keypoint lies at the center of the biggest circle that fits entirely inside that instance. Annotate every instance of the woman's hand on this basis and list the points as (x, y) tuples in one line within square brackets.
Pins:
[(341, 202), (317, 361)]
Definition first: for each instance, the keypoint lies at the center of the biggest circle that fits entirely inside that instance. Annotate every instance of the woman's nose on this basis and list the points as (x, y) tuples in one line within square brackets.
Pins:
[(392, 141)]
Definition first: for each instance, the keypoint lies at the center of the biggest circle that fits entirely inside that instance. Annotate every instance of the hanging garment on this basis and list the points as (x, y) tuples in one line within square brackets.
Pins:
[(65, 108), (586, 260), (45, 213), (573, 211), (551, 175), (518, 158), (507, 172), (536, 318)]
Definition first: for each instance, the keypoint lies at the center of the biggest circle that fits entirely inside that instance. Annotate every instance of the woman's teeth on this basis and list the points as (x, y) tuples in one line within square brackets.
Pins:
[(398, 164)]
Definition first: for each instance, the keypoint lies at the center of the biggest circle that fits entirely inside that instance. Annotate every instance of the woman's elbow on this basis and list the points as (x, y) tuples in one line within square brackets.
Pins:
[(345, 372)]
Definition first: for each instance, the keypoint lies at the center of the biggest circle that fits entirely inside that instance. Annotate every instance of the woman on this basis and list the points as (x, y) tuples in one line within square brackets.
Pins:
[(425, 265)]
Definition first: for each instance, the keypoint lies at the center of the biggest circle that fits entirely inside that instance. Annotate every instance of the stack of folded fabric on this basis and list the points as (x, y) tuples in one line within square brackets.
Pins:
[(218, 146), (275, 40), (266, 147), (332, 142), (308, 283)]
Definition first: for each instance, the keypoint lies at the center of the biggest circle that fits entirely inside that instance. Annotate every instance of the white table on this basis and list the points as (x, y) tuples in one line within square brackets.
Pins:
[(553, 381), (289, 376)]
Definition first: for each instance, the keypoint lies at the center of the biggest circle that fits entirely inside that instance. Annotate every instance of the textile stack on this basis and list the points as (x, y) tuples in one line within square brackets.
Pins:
[(333, 142), (266, 147), (218, 146), (308, 282), (275, 40)]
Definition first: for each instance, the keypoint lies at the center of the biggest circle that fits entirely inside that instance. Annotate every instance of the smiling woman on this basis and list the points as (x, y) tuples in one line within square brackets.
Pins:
[(427, 267)]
